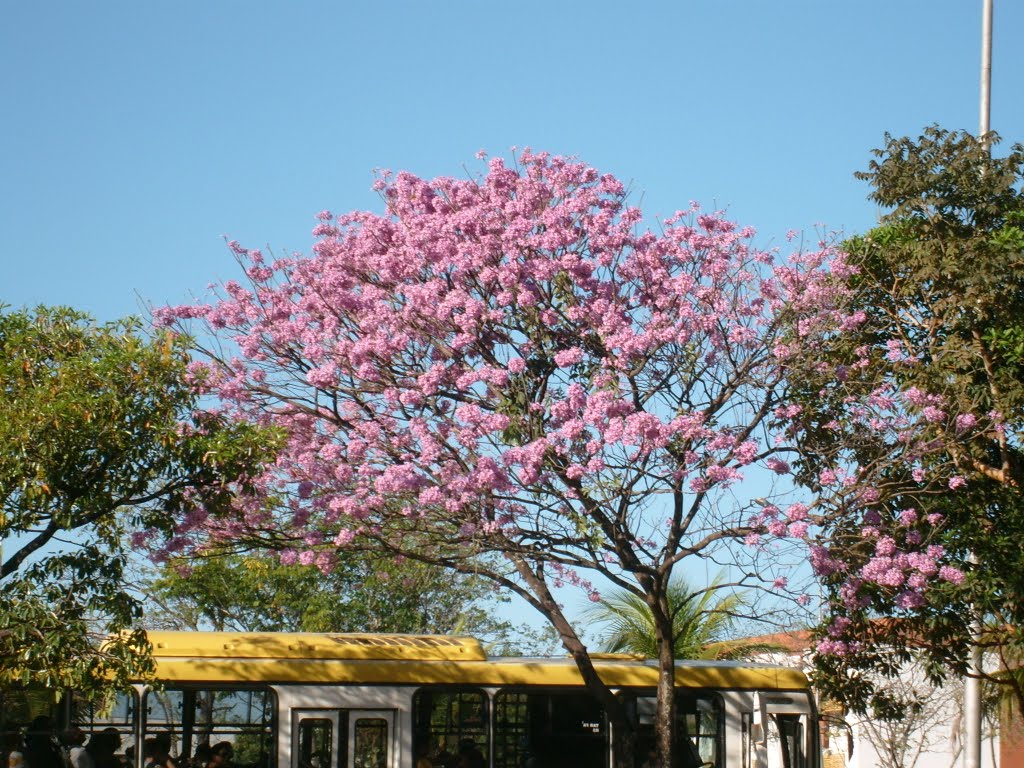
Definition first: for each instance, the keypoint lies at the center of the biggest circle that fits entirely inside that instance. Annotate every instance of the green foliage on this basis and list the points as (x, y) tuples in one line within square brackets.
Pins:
[(98, 440), (255, 592), (702, 624), (941, 279)]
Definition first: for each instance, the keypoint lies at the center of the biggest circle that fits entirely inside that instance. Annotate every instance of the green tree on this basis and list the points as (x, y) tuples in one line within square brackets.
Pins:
[(703, 623), (99, 439), (941, 292), (362, 593)]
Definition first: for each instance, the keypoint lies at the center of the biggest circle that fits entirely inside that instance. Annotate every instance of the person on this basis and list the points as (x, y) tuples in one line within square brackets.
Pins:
[(441, 757), (223, 753), (470, 755), (12, 750), (74, 743), (163, 750), (422, 759), (102, 747), (202, 756), (41, 749)]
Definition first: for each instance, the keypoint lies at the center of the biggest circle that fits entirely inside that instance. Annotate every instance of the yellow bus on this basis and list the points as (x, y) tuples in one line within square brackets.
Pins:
[(299, 700)]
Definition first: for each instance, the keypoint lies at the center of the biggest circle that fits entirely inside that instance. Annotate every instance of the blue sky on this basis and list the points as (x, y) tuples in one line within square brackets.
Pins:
[(136, 134)]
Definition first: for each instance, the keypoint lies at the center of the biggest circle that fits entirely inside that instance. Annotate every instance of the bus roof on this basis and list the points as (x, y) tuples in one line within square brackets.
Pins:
[(380, 659)]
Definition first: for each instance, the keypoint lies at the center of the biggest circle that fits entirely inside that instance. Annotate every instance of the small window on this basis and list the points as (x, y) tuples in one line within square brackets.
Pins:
[(315, 738), (786, 740), (370, 742)]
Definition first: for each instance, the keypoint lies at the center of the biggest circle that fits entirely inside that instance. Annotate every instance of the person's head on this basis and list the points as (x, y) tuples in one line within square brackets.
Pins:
[(104, 743), (223, 752), (203, 753), (41, 724), (73, 737)]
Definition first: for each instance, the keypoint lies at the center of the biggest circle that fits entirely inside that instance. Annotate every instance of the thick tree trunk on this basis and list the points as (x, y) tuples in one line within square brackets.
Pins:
[(665, 715)]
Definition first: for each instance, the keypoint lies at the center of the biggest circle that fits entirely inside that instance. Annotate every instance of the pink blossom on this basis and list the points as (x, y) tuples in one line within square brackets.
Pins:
[(951, 574), (909, 599), (566, 357), (799, 530), (965, 422)]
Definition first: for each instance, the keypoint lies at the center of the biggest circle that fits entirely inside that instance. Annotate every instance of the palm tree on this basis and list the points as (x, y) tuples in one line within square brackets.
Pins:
[(702, 623)]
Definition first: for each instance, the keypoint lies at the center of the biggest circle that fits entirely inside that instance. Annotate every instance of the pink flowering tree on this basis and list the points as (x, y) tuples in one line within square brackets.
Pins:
[(912, 428), (512, 376)]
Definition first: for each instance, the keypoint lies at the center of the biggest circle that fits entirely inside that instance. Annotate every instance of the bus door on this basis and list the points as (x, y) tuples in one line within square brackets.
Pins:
[(346, 738), (782, 734), (371, 739)]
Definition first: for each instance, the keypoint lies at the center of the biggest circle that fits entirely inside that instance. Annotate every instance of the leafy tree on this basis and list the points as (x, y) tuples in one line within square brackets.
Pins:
[(256, 592), (99, 438), (509, 376), (938, 359), (703, 624)]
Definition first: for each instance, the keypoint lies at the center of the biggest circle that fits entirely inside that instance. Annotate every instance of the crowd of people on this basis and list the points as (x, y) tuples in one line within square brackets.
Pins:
[(41, 747)]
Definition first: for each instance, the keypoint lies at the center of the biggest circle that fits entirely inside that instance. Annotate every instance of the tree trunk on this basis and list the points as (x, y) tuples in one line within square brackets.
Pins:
[(665, 715)]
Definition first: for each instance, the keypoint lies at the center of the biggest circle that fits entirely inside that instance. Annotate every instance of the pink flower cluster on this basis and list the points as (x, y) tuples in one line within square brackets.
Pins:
[(518, 356)]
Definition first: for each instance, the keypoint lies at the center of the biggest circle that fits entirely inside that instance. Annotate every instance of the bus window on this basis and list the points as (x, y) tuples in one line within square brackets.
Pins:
[(445, 718), (370, 742), (114, 712), (786, 742), (187, 720), (316, 742), (549, 729), (698, 728), (783, 744)]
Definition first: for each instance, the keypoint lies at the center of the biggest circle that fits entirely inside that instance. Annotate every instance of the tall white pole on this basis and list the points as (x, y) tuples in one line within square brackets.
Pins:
[(972, 684), (986, 68), (972, 698)]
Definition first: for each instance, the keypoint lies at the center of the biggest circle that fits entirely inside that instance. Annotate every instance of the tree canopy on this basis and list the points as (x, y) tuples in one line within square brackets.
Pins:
[(510, 376), (938, 360), (100, 437), (256, 592), (703, 623)]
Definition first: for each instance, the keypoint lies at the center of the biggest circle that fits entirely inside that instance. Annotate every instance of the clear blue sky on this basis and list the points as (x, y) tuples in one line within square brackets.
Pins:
[(136, 134)]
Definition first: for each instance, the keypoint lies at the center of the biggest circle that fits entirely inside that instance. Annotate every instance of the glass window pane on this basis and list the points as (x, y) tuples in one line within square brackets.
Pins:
[(445, 720), (196, 723), (108, 726), (786, 741), (370, 742), (315, 735), (551, 728)]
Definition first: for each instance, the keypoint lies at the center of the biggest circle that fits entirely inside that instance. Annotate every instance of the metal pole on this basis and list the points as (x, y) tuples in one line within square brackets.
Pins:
[(972, 684), (986, 69)]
